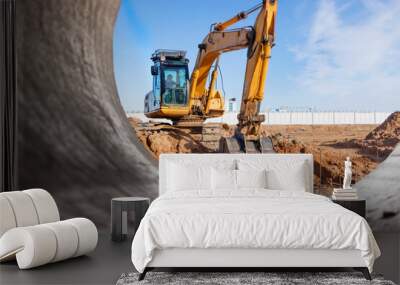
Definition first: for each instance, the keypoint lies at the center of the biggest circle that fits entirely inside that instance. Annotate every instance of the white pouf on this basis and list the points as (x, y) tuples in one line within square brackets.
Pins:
[(45, 205), (31, 232), (7, 220)]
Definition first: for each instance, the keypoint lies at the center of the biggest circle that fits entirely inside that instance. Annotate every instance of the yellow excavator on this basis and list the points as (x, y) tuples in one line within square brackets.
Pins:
[(188, 102)]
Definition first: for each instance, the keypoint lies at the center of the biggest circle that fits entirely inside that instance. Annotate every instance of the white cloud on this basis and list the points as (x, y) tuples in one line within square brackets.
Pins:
[(352, 61)]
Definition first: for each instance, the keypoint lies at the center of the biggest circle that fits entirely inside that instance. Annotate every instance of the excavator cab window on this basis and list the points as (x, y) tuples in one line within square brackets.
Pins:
[(170, 83), (174, 91), (156, 91)]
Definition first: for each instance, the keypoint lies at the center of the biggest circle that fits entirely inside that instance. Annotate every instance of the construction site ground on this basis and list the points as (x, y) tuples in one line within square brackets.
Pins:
[(366, 145)]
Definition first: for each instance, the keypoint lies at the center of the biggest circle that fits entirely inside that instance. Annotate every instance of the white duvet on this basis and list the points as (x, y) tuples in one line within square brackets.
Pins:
[(250, 219)]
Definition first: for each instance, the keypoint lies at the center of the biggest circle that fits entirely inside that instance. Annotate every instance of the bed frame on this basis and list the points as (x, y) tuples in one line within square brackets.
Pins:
[(249, 259), (242, 259)]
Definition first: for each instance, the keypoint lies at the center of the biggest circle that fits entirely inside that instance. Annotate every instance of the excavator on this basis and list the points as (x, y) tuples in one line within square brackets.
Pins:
[(189, 100)]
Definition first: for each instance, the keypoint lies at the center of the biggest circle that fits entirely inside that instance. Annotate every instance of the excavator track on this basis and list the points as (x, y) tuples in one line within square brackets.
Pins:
[(211, 135), (208, 135)]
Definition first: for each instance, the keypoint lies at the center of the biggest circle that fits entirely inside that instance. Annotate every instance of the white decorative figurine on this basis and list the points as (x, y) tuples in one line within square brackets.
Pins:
[(347, 174)]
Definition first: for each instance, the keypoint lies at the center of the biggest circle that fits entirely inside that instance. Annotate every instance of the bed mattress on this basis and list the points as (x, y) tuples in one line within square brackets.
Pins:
[(250, 219)]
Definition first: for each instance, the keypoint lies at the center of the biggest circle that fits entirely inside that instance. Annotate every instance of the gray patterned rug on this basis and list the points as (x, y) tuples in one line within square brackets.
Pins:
[(231, 278)]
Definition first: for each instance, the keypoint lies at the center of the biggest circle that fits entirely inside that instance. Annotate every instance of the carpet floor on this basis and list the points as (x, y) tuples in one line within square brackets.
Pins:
[(231, 278)]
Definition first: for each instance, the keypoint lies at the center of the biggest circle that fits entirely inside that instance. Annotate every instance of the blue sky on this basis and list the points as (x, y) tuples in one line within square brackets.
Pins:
[(330, 55)]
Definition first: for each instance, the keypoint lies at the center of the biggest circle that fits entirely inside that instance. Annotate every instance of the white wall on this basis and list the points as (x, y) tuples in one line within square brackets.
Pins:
[(317, 118), (302, 118)]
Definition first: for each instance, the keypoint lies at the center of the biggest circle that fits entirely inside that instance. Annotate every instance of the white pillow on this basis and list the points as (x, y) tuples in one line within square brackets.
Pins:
[(188, 177), (251, 178), (291, 178), (222, 164), (223, 179)]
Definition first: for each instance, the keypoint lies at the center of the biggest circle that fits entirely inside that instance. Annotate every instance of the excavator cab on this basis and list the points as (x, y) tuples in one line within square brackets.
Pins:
[(170, 94)]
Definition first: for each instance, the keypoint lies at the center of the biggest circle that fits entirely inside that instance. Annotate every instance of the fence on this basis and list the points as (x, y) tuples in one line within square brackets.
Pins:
[(325, 118), (302, 118)]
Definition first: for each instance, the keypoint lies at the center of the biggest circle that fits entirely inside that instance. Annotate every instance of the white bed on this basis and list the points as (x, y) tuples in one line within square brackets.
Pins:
[(207, 226)]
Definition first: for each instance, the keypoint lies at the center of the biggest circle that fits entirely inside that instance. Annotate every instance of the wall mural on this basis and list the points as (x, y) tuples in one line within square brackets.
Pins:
[(77, 142)]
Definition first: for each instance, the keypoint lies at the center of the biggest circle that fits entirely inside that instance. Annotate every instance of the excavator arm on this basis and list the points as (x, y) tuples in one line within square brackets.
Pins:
[(258, 57), (204, 100)]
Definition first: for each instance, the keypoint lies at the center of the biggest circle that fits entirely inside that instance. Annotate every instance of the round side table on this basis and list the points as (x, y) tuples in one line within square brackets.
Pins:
[(119, 215)]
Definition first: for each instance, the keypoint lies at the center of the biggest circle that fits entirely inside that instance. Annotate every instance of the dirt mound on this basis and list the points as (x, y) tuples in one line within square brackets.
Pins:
[(389, 130), (162, 142), (383, 139), (134, 121), (166, 139)]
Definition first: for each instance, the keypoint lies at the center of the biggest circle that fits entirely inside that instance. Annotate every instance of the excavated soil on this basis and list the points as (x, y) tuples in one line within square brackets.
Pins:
[(167, 140), (325, 142), (366, 145), (383, 139)]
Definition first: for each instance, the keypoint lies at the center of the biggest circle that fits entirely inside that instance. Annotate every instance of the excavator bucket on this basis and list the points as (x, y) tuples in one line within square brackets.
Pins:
[(266, 145), (229, 145), (241, 145)]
